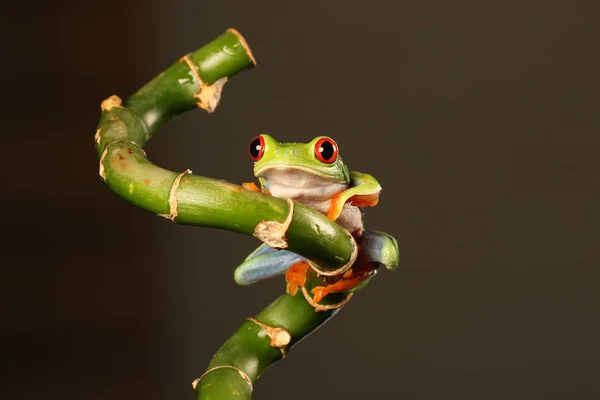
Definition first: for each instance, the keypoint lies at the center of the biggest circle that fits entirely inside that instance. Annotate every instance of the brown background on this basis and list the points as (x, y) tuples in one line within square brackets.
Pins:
[(480, 119)]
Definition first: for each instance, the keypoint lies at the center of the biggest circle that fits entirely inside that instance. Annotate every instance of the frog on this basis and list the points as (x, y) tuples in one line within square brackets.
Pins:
[(315, 175)]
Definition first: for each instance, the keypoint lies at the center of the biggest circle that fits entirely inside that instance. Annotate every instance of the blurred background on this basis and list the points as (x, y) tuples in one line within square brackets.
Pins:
[(480, 120)]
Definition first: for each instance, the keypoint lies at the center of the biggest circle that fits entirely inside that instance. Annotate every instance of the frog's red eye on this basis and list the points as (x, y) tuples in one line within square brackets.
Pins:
[(326, 150), (257, 148)]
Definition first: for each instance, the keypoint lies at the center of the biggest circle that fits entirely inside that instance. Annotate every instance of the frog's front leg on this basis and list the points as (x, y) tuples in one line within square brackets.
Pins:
[(363, 192), (265, 262)]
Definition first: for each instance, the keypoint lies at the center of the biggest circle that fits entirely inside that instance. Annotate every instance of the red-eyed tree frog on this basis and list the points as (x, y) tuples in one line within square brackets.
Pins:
[(314, 174)]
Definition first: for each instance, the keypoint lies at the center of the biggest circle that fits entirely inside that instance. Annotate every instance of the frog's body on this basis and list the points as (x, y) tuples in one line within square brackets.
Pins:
[(313, 191), (314, 175)]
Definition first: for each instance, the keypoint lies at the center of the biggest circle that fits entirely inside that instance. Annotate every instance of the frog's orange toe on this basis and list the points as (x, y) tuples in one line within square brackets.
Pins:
[(251, 186), (291, 288), (254, 188), (296, 277), (319, 292)]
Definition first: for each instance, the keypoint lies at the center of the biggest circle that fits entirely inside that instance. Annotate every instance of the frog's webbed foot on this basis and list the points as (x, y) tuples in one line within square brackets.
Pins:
[(254, 188)]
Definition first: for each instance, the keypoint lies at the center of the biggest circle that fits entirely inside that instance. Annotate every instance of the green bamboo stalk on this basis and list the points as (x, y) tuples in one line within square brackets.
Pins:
[(201, 201), (251, 350), (196, 80)]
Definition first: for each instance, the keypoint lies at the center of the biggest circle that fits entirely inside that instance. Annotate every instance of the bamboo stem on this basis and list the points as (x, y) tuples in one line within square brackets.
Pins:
[(197, 80), (193, 199), (250, 351)]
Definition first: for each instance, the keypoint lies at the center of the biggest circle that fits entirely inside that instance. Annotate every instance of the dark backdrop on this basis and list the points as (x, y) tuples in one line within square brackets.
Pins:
[(479, 118)]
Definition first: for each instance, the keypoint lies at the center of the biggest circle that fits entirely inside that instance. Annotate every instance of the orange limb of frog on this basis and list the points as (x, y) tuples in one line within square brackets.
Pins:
[(364, 200), (333, 207), (350, 279), (296, 277), (358, 200), (254, 188)]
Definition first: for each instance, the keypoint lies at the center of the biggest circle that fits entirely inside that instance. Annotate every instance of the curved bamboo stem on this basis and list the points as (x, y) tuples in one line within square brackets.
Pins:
[(262, 341), (197, 80), (192, 199)]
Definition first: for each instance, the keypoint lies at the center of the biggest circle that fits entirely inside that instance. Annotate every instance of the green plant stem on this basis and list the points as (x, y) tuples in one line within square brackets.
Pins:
[(249, 349), (196, 80), (201, 201)]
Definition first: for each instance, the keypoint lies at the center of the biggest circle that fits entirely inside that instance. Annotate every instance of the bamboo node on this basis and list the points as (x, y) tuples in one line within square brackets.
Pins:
[(186, 59), (173, 213), (320, 307), (343, 268), (280, 337), (112, 101), (102, 171), (272, 232), (244, 376), (244, 44), (207, 96)]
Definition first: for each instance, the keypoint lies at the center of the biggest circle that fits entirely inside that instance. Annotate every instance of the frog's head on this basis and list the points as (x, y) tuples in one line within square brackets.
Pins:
[(302, 165)]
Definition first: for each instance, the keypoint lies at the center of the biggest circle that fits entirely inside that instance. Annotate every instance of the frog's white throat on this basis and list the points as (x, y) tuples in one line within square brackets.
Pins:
[(299, 184)]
